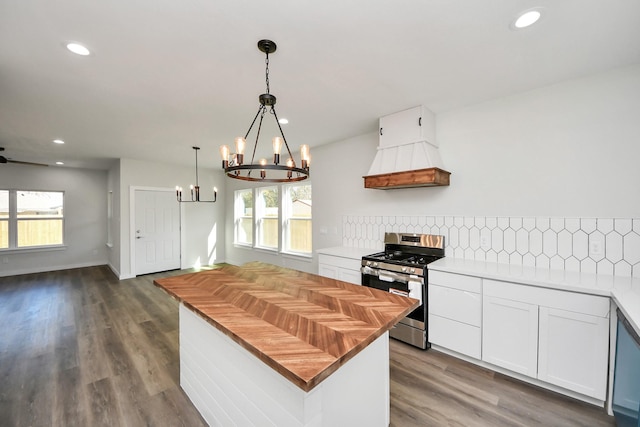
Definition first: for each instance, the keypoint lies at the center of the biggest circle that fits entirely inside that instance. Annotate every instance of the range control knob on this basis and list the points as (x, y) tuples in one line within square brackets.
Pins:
[(404, 269), (368, 264), (413, 270), (375, 264)]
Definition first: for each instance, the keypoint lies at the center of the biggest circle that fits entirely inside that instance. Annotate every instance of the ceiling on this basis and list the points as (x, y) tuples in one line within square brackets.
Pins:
[(166, 75)]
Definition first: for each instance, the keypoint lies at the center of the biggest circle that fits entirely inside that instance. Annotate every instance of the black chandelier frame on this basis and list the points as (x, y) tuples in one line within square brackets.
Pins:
[(234, 167)]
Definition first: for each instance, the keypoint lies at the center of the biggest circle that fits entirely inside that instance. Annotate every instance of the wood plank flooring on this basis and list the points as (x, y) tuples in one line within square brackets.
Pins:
[(80, 348)]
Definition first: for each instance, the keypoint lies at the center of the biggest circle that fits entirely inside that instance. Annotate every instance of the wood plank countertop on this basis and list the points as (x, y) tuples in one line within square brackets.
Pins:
[(302, 325)]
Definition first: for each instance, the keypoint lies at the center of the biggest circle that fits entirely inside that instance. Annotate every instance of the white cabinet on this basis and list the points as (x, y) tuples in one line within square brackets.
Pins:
[(573, 351), (340, 268), (555, 336), (510, 335), (455, 312), (412, 125)]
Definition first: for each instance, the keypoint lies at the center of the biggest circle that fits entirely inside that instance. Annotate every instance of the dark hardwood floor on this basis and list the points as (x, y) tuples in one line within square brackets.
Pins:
[(80, 348)]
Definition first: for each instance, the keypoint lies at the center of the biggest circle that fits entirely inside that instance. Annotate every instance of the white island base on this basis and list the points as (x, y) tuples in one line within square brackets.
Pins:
[(232, 387)]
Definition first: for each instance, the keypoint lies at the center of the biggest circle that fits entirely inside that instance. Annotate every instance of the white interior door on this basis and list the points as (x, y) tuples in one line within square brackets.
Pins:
[(157, 231)]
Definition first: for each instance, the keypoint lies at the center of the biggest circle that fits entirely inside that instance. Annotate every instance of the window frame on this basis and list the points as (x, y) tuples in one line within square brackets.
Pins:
[(261, 214), (257, 225), (238, 216), (288, 217), (14, 219)]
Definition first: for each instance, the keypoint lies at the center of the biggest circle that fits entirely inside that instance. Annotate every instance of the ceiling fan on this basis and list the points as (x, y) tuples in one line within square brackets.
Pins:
[(3, 159)]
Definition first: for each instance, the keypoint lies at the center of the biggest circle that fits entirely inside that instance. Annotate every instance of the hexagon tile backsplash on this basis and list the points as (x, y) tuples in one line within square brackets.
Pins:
[(589, 245)]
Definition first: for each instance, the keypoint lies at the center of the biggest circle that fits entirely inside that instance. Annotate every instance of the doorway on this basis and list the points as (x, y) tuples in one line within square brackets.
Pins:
[(156, 231)]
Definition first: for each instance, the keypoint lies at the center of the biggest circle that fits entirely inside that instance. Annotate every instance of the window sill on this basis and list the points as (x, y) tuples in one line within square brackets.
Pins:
[(297, 256), (33, 249), (242, 246)]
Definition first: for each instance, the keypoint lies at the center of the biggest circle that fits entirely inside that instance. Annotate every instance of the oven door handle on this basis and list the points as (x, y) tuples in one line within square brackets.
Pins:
[(390, 276)]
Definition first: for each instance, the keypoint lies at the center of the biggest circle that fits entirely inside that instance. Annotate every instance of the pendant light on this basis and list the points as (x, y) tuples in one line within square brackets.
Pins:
[(233, 163), (195, 190)]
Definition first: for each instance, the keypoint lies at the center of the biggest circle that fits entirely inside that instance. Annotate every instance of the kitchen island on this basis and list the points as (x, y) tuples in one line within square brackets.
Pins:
[(264, 345)]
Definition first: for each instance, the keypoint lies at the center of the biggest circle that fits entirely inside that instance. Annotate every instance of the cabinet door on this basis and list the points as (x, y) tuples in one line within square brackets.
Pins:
[(573, 351), (326, 270), (350, 276), (401, 128), (510, 334)]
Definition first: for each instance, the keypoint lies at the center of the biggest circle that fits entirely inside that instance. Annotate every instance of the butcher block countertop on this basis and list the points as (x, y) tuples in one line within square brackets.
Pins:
[(302, 325)]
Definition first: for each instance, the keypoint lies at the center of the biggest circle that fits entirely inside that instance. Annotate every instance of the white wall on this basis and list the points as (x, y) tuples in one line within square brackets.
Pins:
[(113, 186), (85, 213), (202, 232), (567, 150)]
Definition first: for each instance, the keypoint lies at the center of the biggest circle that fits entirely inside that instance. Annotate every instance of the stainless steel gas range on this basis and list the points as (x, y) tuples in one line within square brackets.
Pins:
[(402, 269)]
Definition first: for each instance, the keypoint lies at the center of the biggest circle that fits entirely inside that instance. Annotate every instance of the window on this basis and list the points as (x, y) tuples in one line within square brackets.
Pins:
[(31, 218), (278, 225), (243, 211), (296, 219), (4, 219), (267, 217)]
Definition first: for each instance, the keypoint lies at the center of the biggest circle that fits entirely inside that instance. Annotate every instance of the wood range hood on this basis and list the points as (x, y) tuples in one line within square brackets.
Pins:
[(407, 154), (428, 177)]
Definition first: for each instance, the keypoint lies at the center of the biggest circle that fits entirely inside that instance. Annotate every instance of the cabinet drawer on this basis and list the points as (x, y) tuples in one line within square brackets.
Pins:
[(553, 298), (455, 336), (348, 263), (454, 304), (456, 281)]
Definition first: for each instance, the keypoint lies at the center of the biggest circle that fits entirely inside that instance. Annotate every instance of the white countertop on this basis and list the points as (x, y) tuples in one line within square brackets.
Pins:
[(347, 252), (625, 291)]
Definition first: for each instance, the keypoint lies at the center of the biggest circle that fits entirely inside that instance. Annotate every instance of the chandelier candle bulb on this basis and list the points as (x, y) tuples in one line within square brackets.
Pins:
[(289, 165), (277, 148), (224, 153), (304, 155), (263, 173), (240, 144)]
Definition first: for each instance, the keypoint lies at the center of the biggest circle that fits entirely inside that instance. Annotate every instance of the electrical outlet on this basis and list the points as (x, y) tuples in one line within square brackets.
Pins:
[(595, 247), (484, 242)]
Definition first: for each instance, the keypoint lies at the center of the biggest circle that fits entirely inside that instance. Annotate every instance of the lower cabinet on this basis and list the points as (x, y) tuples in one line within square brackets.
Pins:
[(510, 335), (455, 312), (558, 337), (340, 268), (573, 351)]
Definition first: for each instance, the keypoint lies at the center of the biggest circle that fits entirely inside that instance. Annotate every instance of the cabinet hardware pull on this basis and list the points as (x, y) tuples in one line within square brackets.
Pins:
[(419, 121), (380, 131)]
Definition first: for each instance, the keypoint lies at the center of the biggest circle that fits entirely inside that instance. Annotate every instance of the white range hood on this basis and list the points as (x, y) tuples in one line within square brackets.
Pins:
[(406, 157), (407, 154)]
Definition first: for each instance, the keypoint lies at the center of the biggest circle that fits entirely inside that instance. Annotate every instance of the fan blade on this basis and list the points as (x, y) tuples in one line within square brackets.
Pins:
[(25, 163)]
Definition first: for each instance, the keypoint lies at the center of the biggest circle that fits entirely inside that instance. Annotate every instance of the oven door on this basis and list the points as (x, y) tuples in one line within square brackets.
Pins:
[(407, 285)]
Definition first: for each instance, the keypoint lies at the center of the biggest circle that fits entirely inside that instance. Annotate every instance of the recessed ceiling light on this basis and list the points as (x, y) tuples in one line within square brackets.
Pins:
[(526, 19), (59, 163), (58, 141), (283, 121), (78, 49)]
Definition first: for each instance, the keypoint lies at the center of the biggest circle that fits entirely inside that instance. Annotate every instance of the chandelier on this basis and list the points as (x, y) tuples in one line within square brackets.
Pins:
[(233, 163), (195, 190)]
